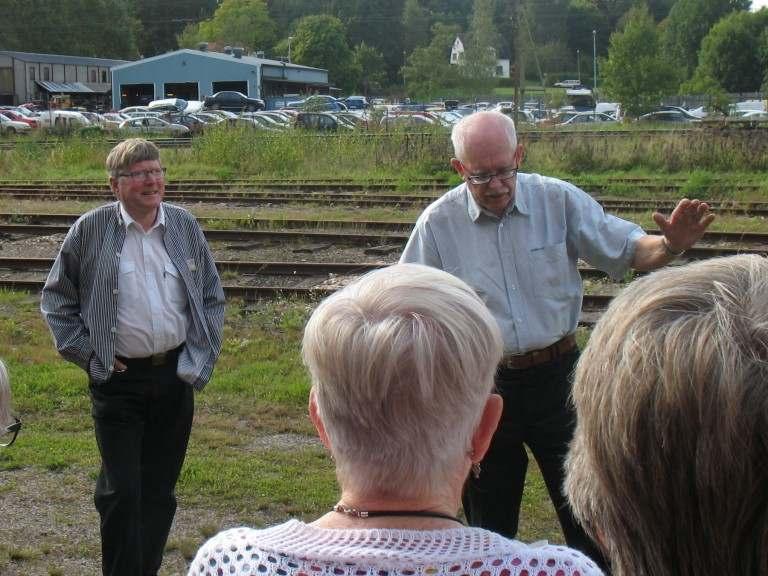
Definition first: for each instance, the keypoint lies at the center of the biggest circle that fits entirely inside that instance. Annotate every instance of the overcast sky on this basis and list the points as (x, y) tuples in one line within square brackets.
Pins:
[(757, 4)]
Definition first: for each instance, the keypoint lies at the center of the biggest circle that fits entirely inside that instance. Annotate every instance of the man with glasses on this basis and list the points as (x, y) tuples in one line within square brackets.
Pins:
[(9, 425), (516, 239), (135, 300)]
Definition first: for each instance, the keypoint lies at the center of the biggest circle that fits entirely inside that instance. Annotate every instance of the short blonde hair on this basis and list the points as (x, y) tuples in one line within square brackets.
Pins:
[(480, 122), (669, 463), (402, 362), (129, 152), (5, 397)]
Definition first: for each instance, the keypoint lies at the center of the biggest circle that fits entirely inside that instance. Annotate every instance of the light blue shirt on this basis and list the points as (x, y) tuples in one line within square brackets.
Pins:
[(524, 264)]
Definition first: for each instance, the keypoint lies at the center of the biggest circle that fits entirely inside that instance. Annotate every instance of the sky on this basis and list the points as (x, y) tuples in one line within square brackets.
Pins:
[(757, 4)]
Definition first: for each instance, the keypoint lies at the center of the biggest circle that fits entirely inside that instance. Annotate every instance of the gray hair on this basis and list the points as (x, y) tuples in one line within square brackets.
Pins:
[(5, 397), (668, 464), (402, 362), (129, 152), (477, 124)]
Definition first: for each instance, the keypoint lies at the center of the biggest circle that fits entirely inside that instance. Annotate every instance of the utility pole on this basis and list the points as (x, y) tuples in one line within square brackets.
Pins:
[(594, 64), (578, 63), (516, 30)]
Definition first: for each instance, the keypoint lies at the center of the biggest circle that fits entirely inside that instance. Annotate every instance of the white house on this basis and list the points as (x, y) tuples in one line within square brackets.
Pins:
[(457, 57)]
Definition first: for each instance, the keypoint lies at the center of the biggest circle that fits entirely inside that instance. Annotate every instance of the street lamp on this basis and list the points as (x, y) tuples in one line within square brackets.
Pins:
[(289, 48), (578, 63), (594, 63)]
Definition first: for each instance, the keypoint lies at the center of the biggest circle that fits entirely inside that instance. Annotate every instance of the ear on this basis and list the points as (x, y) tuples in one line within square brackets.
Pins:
[(113, 185), (486, 428), (458, 166), (519, 154), (314, 415)]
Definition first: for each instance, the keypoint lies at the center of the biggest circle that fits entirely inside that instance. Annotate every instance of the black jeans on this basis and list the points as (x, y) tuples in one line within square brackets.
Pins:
[(142, 418), (536, 414)]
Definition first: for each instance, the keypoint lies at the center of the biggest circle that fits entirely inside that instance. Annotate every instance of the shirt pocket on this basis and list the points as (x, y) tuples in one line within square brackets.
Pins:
[(549, 271), (174, 285), (127, 282)]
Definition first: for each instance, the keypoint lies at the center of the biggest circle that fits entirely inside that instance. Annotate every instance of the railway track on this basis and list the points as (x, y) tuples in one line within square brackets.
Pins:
[(389, 226), (339, 197), (592, 305), (387, 232)]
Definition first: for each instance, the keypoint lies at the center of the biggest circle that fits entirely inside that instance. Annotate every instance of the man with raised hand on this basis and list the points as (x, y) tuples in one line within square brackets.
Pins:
[(135, 300), (516, 239)]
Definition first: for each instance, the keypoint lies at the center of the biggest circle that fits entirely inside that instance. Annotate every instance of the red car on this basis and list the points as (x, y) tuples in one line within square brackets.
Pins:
[(12, 115)]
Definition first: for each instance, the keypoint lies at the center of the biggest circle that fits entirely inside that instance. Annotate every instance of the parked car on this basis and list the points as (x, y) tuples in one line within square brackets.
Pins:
[(112, 120), (233, 101), (151, 124), (669, 117), (356, 102), (19, 117), (587, 118), (568, 84), (322, 121), (318, 103), (129, 110), (63, 119), (8, 126)]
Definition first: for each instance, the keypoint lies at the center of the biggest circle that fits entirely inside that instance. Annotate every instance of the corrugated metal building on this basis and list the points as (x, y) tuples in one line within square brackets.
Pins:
[(195, 74), (27, 76)]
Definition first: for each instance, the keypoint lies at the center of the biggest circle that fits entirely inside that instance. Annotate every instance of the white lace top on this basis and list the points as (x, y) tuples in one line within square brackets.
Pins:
[(298, 549)]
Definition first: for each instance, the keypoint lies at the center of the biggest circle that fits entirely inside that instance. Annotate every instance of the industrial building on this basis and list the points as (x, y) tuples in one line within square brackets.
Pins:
[(195, 74), (28, 77)]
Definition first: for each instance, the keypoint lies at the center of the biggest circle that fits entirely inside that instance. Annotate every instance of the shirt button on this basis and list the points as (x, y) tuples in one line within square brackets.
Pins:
[(117, 254), (114, 291), (113, 329)]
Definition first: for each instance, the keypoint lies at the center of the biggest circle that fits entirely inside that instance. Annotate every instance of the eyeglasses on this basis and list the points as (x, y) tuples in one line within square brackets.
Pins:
[(154, 173), (479, 179), (10, 432)]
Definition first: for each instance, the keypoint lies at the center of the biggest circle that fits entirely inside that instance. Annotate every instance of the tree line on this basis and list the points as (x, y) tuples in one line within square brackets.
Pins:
[(400, 46)]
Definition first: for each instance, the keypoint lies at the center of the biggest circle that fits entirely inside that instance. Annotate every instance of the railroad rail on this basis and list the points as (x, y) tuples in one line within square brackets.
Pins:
[(756, 243), (592, 305), (399, 199), (389, 226)]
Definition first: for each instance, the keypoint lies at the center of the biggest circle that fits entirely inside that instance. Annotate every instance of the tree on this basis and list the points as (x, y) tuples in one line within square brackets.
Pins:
[(370, 68), (479, 63), (732, 53), (636, 72), (162, 22), (320, 41), (415, 26), (429, 72), (244, 23), (97, 28), (688, 23)]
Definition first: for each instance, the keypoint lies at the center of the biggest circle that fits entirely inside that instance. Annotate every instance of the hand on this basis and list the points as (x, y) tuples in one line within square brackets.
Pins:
[(686, 225), (119, 366)]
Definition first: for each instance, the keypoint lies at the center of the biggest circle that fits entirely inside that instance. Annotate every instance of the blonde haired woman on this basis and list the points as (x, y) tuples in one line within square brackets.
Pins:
[(669, 464), (402, 364)]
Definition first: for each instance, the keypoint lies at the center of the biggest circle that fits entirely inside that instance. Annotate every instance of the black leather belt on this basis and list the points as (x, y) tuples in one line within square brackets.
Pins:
[(154, 361), (536, 357)]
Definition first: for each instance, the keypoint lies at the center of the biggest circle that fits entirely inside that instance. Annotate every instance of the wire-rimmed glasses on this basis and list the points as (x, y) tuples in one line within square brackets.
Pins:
[(8, 436)]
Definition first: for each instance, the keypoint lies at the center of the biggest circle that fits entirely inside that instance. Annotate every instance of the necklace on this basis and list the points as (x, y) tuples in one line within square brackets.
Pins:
[(355, 513)]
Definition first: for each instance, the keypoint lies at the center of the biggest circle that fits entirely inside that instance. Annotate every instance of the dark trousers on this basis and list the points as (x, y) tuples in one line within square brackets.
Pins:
[(142, 418), (536, 414)]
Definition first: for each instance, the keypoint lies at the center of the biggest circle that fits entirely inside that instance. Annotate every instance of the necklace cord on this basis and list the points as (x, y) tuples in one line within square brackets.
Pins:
[(356, 513)]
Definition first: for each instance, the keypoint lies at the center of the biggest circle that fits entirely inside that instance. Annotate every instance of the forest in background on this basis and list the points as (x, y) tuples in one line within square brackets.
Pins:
[(375, 46)]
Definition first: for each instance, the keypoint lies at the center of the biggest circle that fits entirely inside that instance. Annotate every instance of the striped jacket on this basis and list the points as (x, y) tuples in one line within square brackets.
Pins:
[(79, 300)]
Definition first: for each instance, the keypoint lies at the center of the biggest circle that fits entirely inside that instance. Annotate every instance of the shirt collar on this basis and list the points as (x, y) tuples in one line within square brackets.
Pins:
[(519, 203), (127, 220)]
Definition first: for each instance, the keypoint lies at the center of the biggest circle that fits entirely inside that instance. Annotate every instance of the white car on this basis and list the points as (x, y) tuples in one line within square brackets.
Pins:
[(151, 124), (567, 84), (8, 126)]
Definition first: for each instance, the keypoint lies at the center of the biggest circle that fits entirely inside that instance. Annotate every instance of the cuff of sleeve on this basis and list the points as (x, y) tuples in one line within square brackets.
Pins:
[(668, 249)]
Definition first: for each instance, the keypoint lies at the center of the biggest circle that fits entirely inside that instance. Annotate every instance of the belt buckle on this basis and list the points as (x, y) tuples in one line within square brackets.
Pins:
[(158, 359)]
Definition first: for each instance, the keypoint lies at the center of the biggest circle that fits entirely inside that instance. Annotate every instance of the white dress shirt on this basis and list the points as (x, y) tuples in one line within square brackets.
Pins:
[(152, 303)]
